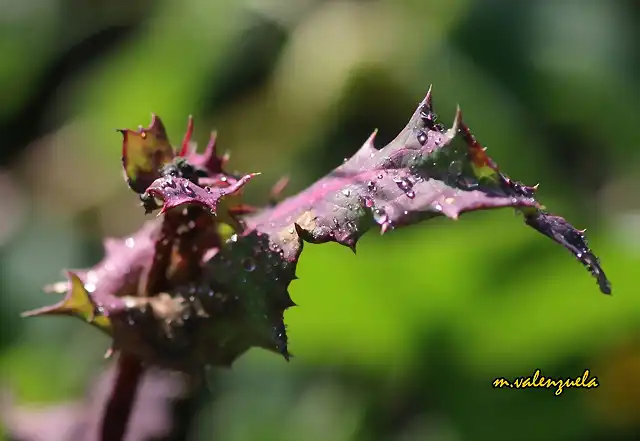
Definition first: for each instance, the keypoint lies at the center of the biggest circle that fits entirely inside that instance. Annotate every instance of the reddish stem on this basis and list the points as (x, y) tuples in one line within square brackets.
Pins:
[(123, 394)]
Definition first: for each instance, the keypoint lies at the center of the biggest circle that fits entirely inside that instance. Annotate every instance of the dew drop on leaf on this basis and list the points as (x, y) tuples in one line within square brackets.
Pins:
[(188, 190), (380, 216), (422, 138), (346, 192), (455, 168), (467, 183), (403, 183), (249, 264)]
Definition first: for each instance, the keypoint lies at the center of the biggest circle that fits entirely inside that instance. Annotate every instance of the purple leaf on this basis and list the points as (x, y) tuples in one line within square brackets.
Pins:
[(94, 293), (144, 152), (426, 171), (177, 192), (177, 295), (562, 232)]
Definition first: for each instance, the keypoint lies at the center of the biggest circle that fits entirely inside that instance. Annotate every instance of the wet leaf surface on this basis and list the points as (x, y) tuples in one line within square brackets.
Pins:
[(180, 295)]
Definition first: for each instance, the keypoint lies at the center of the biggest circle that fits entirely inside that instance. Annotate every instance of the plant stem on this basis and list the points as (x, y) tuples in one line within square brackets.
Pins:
[(123, 394)]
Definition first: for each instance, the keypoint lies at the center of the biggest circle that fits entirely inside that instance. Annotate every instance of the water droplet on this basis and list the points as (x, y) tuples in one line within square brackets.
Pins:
[(422, 137), (187, 189), (437, 207), (249, 264), (455, 168), (371, 185), (292, 230), (467, 183), (169, 182), (335, 221), (411, 194), (233, 238), (345, 160), (380, 216), (224, 179), (380, 176), (403, 183), (346, 192), (368, 202), (130, 242), (207, 189)]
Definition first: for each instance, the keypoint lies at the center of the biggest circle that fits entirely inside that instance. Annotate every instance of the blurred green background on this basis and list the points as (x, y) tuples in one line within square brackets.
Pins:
[(403, 341)]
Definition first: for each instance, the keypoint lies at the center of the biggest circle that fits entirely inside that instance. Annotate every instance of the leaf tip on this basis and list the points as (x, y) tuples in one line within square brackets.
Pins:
[(76, 302), (385, 227), (428, 99), (56, 288), (372, 137), (184, 149), (458, 124)]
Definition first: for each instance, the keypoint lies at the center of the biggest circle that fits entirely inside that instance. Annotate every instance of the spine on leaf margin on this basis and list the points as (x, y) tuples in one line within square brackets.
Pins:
[(209, 279)]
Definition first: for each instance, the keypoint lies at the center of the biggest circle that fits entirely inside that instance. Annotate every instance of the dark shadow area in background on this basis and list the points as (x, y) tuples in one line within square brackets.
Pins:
[(503, 53), (372, 100), (248, 62), (31, 121)]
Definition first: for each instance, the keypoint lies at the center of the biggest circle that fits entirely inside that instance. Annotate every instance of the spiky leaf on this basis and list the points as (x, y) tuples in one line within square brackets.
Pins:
[(181, 297), (144, 152)]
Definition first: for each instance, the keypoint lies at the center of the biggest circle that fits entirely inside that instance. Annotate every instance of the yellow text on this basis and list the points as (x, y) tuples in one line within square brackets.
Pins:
[(541, 382)]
